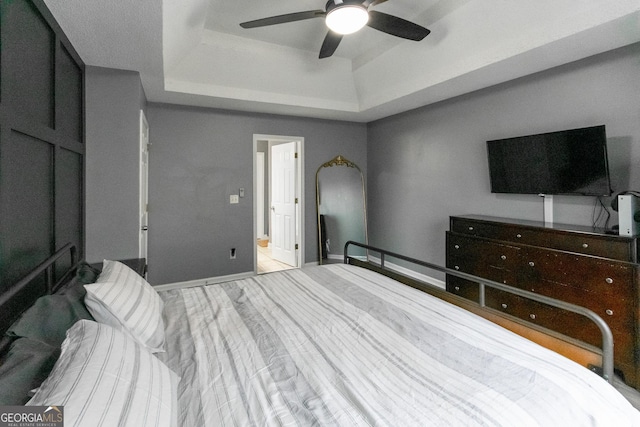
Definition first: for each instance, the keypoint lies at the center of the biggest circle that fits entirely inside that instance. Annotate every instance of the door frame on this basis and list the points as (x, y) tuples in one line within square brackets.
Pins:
[(259, 206), (143, 188), (300, 212)]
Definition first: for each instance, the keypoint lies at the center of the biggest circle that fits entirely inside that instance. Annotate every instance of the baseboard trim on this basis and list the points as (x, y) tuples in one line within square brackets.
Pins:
[(391, 266), (411, 273), (203, 282), (339, 257)]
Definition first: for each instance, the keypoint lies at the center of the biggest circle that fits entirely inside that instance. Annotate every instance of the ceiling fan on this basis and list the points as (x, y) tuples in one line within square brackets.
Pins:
[(346, 17)]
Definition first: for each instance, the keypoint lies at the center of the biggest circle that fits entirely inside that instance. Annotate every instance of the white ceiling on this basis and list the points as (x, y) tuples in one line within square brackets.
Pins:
[(194, 52)]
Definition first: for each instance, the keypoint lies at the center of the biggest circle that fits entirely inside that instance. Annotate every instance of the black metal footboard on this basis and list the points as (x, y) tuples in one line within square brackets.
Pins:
[(607, 337)]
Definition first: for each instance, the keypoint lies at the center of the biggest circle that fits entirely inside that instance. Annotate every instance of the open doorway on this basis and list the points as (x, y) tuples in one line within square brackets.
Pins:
[(278, 202)]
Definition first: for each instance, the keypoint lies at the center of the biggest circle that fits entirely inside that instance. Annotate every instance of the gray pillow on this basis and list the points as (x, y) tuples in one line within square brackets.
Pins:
[(50, 316), (26, 365), (86, 274)]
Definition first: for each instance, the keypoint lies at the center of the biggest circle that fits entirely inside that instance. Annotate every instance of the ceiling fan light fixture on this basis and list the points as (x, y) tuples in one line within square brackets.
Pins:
[(347, 19)]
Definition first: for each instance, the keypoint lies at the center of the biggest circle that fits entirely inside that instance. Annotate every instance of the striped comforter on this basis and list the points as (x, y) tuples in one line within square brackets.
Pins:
[(340, 345)]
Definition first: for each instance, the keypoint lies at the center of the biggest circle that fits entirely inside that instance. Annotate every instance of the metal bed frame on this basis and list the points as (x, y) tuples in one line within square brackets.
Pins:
[(607, 337)]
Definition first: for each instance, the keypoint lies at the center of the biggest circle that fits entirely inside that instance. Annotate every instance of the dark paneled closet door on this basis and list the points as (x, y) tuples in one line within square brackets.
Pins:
[(41, 140)]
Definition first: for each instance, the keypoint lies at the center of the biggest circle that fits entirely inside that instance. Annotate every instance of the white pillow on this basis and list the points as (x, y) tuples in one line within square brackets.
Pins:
[(123, 299), (103, 375)]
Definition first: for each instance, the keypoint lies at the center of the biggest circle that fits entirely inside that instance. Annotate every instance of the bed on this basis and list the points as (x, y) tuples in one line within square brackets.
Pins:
[(336, 344)]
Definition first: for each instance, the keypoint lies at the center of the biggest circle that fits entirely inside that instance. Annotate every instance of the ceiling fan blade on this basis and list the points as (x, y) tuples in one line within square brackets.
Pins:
[(368, 3), (396, 26), (281, 19), (330, 44)]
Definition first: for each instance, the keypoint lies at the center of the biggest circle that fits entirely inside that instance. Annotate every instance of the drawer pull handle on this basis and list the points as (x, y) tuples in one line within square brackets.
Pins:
[(609, 312), (503, 257), (532, 316), (531, 263), (519, 236), (457, 288), (504, 305), (457, 267), (457, 246), (585, 245), (470, 228), (609, 280)]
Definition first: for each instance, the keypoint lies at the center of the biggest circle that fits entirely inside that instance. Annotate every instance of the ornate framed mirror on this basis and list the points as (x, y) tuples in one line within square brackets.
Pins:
[(341, 208)]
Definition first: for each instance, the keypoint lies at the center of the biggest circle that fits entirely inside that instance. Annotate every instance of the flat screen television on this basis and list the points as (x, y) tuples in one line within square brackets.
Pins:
[(567, 162)]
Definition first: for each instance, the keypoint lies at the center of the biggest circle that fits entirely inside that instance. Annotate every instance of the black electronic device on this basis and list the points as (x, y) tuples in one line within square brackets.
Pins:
[(566, 162)]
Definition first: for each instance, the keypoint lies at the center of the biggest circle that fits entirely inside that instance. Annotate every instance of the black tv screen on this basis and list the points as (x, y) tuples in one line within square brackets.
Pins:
[(566, 162)]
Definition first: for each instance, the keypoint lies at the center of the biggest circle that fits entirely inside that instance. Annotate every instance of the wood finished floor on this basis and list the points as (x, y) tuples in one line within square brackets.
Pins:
[(266, 264)]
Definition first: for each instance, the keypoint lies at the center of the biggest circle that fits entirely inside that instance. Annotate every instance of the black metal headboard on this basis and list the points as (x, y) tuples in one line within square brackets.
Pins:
[(40, 281)]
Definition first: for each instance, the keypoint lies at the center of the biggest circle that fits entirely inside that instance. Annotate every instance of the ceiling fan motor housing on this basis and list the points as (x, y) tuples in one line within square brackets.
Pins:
[(332, 4), (346, 16)]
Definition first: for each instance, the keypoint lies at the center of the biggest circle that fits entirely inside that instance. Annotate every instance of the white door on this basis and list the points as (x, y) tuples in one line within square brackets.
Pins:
[(144, 186), (283, 203)]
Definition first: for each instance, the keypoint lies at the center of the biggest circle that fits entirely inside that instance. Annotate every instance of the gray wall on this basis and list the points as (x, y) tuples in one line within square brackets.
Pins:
[(428, 164), (198, 158), (113, 102)]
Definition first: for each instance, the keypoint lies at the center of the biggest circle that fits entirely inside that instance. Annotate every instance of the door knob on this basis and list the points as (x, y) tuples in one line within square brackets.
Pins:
[(144, 228)]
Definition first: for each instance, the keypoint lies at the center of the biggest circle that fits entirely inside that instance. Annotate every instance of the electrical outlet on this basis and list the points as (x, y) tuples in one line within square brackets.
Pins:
[(232, 253), (234, 199)]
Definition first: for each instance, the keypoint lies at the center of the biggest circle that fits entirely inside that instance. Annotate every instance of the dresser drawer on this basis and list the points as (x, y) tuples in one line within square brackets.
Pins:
[(618, 248), (565, 322), (602, 246), (475, 256), (463, 288), (522, 308), (596, 277), (479, 228)]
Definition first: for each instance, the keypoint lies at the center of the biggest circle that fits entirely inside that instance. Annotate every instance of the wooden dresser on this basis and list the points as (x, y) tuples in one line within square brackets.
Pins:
[(577, 264)]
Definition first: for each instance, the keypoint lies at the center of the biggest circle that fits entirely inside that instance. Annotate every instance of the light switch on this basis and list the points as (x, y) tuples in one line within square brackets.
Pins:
[(233, 198), (242, 192)]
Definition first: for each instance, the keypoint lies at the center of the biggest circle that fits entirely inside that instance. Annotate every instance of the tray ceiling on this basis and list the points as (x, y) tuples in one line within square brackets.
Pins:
[(193, 52)]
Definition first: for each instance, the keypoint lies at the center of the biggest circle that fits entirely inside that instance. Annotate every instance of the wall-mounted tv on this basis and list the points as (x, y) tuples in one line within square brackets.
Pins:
[(566, 162)]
